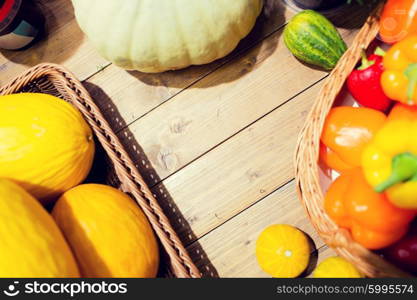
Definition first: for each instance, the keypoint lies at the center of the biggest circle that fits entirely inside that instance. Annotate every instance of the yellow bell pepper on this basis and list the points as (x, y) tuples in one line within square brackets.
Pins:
[(399, 79), (389, 161)]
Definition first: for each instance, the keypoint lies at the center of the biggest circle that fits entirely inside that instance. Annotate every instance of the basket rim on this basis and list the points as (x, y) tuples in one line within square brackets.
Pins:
[(131, 180)]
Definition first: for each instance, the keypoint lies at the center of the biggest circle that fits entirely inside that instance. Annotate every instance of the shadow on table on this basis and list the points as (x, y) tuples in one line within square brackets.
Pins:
[(48, 40), (243, 63), (314, 257), (352, 16), (100, 168)]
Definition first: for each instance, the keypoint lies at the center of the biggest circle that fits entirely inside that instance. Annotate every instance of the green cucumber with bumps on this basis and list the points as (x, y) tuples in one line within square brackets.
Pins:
[(313, 39)]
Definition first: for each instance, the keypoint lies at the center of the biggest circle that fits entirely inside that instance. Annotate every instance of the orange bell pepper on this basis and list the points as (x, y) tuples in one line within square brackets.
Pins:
[(398, 20), (374, 222), (331, 159), (345, 133), (399, 79)]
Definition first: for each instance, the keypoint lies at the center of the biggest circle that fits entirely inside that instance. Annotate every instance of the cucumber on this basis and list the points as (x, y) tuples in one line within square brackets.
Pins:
[(313, 39)]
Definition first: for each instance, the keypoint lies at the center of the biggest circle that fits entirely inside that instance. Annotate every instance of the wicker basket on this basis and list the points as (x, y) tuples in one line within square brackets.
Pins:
[(55, 80), (310, 180)]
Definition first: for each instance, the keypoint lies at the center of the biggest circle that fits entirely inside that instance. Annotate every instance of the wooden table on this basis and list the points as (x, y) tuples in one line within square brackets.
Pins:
[(215, 142)]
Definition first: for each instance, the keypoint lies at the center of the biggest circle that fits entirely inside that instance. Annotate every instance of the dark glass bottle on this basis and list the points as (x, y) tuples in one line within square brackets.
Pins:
[(20, 23)]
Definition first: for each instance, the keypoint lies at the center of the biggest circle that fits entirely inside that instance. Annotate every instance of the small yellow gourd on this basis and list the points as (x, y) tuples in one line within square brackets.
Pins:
[(336, 267), (283, 251)]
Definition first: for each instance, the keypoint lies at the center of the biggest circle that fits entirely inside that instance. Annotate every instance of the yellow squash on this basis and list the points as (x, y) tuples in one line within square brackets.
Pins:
[(31, 244), (283, 251), (336, 267), (45, 144), (108, 233)]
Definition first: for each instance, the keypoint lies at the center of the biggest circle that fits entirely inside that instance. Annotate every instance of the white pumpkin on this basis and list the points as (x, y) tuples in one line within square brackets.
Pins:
[(158, 35)]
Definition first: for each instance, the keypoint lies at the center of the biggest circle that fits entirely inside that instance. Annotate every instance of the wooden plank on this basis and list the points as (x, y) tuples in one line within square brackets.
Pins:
[(64, 44), (229, 251), (222, 103), (134, 93), (237, 173)]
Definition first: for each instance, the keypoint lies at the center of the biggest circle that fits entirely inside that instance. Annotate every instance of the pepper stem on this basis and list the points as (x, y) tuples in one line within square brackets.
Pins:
[(411, 74), (404, 168), (366, 63), (379, 51)]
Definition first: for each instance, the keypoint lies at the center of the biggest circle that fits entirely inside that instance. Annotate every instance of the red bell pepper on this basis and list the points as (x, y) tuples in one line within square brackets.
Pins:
[(364, 83)]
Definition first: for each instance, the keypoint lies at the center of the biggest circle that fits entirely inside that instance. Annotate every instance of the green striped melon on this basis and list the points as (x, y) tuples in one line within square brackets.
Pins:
[(313, 39)]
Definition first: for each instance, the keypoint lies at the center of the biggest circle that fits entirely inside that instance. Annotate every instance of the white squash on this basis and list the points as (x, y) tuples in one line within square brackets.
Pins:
[(158, 35)]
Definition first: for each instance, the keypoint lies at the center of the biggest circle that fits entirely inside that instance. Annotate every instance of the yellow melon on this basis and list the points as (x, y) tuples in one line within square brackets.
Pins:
[(108, 233), (31, 244), (45, 144)]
